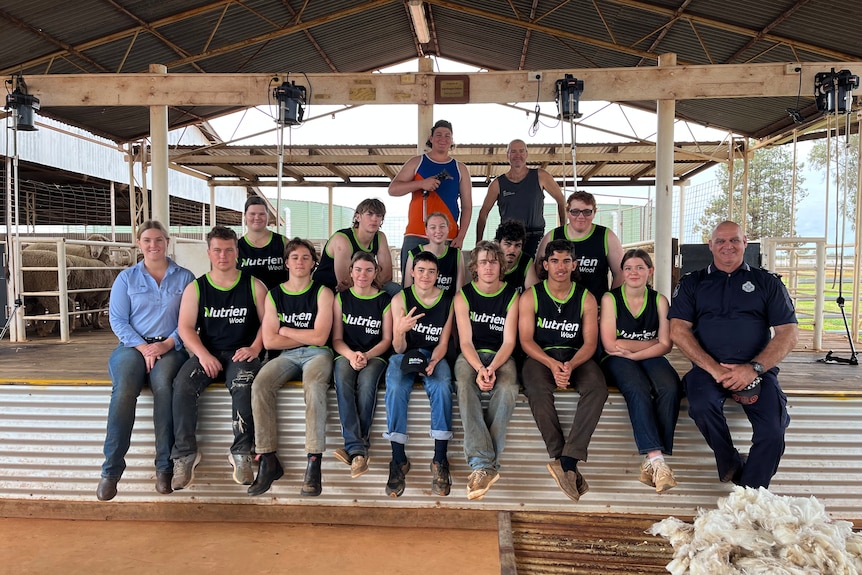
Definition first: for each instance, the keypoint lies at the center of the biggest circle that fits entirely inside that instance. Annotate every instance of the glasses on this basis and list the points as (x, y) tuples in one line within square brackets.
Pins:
[(574, 212)]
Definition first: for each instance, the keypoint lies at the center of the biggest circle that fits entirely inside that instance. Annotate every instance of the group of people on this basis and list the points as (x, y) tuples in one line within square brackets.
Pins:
[(577, 313)]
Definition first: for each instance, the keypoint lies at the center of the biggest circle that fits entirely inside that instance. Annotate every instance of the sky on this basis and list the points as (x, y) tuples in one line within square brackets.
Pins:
[(488, 124)]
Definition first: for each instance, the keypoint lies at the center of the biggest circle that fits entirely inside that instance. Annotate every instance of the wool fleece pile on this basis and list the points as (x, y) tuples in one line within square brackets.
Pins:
[(754, 532)]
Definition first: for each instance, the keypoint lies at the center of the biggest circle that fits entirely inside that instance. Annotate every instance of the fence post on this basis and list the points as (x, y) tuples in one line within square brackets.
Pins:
[(64, 291), (819, 293)]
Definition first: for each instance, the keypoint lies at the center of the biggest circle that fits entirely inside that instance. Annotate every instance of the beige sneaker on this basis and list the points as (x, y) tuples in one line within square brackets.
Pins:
[(479, 482), (662, 476), (359, 466), (569, 482), (341, 455), (646, 472)]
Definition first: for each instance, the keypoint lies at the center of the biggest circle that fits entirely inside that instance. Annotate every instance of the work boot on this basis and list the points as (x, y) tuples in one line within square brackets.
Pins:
[(270, 470), (107, 488), (312, 483)]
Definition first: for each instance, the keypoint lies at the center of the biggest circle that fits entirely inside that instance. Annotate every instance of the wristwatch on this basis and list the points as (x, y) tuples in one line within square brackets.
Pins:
[(758, 368)]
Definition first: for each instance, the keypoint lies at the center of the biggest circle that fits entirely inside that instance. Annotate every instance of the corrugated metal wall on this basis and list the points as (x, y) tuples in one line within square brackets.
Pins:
[(51, 439)]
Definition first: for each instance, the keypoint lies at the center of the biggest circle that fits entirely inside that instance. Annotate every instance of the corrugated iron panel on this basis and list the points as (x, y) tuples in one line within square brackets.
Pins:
[(51, 439)]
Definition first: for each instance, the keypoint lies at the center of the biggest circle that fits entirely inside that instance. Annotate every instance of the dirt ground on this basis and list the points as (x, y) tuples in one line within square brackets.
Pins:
[(43, 546)]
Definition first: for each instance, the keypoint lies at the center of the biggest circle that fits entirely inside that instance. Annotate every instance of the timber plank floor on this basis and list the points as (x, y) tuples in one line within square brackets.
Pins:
[(84, 361)]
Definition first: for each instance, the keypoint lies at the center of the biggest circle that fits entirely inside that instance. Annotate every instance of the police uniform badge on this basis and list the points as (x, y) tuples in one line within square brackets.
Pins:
[(748, 287)]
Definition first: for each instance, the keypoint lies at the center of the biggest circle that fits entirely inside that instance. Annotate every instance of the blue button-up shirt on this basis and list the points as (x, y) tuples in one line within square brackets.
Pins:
[(140, 307)]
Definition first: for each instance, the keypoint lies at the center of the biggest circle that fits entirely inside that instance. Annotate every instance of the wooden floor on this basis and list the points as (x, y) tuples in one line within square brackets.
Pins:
[(84, 361)]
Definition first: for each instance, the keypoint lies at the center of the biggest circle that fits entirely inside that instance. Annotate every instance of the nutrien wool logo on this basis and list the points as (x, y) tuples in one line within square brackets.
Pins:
[(232, 313), (495, 322), (272, 263), (297, 320), (371, 325)]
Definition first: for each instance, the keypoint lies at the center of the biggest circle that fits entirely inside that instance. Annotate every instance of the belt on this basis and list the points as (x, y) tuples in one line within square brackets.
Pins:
[(154, 339)]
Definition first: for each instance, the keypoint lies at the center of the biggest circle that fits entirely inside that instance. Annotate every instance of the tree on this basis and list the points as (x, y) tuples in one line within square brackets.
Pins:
[(770, 195), (847, 167)]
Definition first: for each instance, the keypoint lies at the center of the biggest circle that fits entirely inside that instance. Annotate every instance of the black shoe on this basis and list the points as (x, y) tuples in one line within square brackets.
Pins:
[(163, 482), (441, 482), (107, 488), (270, 470), (312, 483), (397, 473)]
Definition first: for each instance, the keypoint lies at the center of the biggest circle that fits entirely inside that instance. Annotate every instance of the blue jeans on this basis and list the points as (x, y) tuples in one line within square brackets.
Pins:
[(192, 380), (128, 372), (356, 392), (438, 387), (313, 365), (769, 420), (485, 432), (652, 391)]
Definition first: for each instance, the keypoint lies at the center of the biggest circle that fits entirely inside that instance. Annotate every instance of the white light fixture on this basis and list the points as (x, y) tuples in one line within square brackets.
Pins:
[(420, 24)]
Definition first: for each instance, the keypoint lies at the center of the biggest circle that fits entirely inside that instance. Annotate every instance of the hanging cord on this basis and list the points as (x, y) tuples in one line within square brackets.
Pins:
[(534, 126)]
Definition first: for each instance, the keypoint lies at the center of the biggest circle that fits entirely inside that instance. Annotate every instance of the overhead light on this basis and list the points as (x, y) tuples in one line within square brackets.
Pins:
[(420, 24), (24, 104), (291, 101)]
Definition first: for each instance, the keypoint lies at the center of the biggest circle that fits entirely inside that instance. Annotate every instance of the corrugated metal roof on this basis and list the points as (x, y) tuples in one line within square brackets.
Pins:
[(260, 36), (622, 163), (51, 439)]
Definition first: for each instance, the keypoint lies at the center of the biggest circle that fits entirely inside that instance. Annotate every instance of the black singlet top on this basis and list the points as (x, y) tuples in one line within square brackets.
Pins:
[(591, 252), (362, 318), (488, 314), (227, 318), (325, 272), (447, 267), (265, 263), (558, 322), (428, 329)]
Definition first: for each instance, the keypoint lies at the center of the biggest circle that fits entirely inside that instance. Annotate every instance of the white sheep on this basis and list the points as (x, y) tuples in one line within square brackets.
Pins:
[(754, 532), (96, 252), (38, 281), (97, 276)]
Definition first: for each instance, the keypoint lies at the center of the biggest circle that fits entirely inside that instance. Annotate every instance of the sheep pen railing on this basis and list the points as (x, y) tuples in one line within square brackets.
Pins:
[(61, 279)]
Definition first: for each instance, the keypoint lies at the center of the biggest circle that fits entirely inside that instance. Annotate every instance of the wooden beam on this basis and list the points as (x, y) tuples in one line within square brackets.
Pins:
[(500, 159), (613, 84)]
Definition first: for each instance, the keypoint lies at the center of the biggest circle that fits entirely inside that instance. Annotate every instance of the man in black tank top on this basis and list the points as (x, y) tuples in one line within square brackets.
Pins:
[(365, 235), (519, 269), (559, 330), (219, 323), (296, 322), (421, 328), (597, 248), (486, 311), (261, 251), (518, 195)]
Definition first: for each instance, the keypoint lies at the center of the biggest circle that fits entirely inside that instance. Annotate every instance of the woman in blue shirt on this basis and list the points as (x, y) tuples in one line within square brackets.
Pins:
[(144, 308), (635, 334)]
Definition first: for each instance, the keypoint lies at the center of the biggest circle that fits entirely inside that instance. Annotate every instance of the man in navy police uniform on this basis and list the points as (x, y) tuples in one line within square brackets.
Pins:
[(720, 318)]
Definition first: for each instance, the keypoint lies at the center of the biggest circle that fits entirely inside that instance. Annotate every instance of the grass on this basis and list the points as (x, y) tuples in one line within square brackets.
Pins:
[(804, 302)]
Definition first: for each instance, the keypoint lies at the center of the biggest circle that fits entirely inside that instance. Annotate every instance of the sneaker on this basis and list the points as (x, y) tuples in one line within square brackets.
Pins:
[(567, 481), (341, 455), (396, 483), (662, 476), (243, 473), (441, 483), (184, 470), (646, 472), (359, 466), (479, 482)]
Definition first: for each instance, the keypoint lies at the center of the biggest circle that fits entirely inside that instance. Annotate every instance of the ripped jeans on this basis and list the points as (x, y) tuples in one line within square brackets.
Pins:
[(192, 380)]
